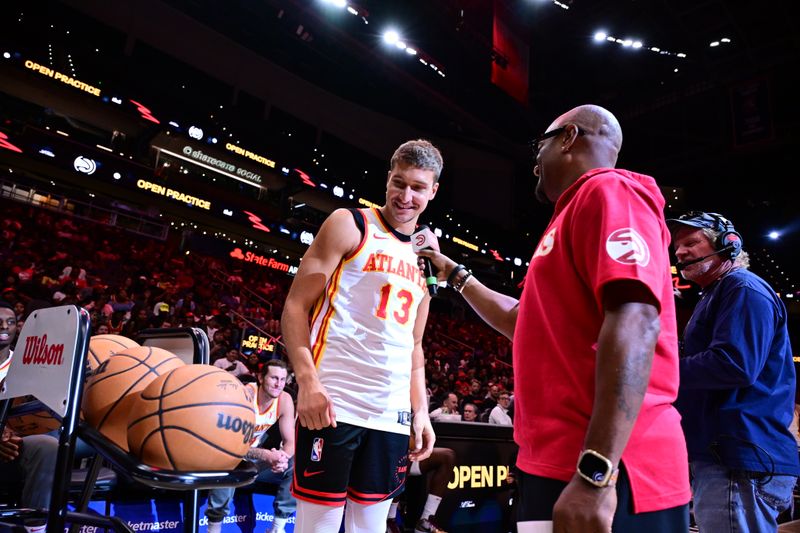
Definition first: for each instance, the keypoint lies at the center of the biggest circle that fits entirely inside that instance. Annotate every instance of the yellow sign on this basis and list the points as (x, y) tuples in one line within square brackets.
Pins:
[(250, 155), (473, 247), (478, 476), (63, 78), (259, 343), (171, 193), (367, 203)]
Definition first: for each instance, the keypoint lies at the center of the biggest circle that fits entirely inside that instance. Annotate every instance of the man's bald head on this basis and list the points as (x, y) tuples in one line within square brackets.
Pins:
[(600, 123), (584, 138)]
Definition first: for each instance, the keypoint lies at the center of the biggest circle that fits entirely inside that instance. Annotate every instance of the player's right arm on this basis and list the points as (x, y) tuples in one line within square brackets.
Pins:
[(337, 238), (496, 309)]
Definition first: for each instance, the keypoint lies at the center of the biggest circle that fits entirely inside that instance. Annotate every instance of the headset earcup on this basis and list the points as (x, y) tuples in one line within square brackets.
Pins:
[(732, 240)]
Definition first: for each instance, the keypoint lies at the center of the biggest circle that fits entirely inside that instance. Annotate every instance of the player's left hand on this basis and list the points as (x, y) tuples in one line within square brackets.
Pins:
[(424, 437), (582, 508)]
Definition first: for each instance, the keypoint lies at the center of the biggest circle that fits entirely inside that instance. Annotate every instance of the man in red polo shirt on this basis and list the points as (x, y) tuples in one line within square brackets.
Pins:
[(595, 344)]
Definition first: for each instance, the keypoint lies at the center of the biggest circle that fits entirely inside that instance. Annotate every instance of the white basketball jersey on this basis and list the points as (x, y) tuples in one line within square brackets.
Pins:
[(5, 366), (362, 331), (264, 419)]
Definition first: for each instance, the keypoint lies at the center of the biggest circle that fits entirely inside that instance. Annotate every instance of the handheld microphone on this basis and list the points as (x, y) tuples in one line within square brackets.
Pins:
[(681, 266), (423, 239)]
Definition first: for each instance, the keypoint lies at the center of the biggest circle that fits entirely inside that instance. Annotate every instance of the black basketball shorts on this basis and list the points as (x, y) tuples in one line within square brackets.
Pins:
[(333, 464)]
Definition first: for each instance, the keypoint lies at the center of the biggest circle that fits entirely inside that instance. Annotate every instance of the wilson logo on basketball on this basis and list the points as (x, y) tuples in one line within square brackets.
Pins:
[(38, 352), (237, 425)]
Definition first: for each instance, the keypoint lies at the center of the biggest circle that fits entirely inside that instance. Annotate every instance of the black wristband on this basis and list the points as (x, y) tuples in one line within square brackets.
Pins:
[(453, 273)]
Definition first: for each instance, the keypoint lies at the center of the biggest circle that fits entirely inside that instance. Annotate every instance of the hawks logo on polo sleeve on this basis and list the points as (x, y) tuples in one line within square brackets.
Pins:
[(626, 246), (547, 244)]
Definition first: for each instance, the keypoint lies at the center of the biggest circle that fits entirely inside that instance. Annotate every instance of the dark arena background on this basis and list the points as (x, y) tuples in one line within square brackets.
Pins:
[(170, 161)]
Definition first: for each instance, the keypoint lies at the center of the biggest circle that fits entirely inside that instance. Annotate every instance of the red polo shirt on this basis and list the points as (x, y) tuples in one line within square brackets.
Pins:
[(607, 226)]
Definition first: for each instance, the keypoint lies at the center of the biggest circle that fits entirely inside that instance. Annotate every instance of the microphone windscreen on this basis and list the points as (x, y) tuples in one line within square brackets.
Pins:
[(424, 238)]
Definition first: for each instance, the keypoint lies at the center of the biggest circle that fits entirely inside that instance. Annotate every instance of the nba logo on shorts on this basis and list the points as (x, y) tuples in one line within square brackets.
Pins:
[(316, 449)]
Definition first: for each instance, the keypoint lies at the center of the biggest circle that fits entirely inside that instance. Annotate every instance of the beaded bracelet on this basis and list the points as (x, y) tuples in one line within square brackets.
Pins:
[(459, 286), (453, 273)]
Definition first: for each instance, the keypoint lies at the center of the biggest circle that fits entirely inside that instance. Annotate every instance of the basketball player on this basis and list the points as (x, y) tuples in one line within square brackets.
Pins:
[(360, 366), (30, 458), (272, 405)]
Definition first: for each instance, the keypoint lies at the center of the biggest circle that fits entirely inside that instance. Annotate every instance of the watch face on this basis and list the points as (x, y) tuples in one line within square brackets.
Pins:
[(594, 468)]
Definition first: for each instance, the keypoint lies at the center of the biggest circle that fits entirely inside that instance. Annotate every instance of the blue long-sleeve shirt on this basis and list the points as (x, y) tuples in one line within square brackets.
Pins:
[(737, 378)]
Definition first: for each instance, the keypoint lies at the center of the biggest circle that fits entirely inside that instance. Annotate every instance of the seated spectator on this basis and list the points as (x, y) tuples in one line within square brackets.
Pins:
[(449, 407), (121, 303), (219, 347), (469, 412), (231, 363), (254, 363), (474, 395), (499, 414), (490, 400)]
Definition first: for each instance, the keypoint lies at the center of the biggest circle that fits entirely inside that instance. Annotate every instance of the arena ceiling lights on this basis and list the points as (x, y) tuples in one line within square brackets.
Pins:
[(601, 36), (391, 37)]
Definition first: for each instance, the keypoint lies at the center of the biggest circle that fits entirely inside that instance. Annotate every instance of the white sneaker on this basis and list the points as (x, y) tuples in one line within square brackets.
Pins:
[(278, 526)]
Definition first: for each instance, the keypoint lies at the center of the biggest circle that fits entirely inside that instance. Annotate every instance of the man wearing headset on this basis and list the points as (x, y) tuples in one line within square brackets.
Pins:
[(737, 383)]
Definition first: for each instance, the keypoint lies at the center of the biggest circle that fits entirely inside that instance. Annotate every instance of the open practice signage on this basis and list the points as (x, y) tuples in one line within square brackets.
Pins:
[(172, 193), (63, 78)]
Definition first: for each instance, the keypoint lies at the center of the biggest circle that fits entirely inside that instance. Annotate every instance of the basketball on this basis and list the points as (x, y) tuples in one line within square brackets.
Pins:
[(103, 346), (197, 417), (113, 386), (33, 423)]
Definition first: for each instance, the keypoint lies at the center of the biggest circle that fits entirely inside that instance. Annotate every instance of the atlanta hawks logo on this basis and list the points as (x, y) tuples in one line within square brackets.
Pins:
[(546, 244), (626, 246)]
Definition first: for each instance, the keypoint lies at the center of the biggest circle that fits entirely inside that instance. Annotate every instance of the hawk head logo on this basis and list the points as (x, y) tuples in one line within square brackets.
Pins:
[(626, 246), (547, 243)]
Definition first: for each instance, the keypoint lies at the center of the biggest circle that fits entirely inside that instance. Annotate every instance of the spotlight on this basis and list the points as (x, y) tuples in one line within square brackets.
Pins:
[(401, 45), (391, 37), (411, 51), (774, 235), (600, 36), (637, 45)]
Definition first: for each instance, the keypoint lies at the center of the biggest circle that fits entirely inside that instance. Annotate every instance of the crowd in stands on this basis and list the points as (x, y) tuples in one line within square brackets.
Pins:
[(129, 283)]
